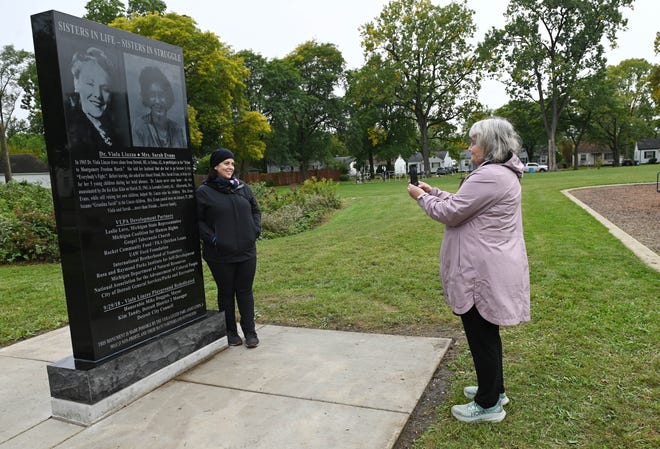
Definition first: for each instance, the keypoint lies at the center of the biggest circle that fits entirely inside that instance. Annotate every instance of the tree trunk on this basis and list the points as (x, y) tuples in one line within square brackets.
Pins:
[(552, 159), (4, 151), (372, 171), (615, 151), (424, 143)]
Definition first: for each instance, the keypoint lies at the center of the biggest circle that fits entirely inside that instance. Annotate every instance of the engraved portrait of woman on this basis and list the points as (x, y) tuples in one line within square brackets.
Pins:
[(90, 109), (155, 128)]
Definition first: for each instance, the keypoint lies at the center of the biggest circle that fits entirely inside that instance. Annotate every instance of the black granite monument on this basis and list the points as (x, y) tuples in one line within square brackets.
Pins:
[(124, 208)]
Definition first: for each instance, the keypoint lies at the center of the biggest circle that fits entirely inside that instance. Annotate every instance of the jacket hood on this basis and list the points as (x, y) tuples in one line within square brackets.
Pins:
[(515, 165)]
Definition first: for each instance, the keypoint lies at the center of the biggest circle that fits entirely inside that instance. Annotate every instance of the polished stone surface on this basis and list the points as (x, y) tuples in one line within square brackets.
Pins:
[(92, 385), (128, 240)]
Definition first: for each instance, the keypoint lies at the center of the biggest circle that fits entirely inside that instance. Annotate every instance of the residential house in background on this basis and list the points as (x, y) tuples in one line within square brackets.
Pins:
[(647, 149), (438, 159), (26, 167), (590, 154), (464, 164)]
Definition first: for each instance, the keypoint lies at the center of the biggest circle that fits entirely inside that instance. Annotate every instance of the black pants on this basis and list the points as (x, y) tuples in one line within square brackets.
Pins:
[(234, 280), (486, 347)]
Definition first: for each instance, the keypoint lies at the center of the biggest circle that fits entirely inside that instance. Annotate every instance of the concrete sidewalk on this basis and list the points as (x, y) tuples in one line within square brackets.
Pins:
[(301, 388)]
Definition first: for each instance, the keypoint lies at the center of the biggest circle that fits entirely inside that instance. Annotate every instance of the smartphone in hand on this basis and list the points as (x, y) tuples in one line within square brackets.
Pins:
[(413, 175)]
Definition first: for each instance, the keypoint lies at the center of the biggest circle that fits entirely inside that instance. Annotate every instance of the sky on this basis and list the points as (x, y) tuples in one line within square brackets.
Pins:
[(274, 28)]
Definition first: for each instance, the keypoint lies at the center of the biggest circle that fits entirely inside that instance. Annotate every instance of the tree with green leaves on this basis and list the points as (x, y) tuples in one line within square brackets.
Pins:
[(273, 89), (31, 99), (590, 97), (316, 110), (437, 68), (13, 63), (547, 46), (249, 139), (257, 66), (655, 76), (104, 11), (377, 128), (144, 7), (628, 112)]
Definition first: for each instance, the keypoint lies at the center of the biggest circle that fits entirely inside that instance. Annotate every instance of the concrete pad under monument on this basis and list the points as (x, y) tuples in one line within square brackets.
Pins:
[(305, 388)]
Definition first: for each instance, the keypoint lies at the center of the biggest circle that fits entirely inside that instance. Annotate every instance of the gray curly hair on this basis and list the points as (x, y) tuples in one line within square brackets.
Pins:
[(497, 137)]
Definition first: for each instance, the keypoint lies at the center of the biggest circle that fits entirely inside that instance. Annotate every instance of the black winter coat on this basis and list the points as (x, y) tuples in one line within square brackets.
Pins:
[(232, 216)]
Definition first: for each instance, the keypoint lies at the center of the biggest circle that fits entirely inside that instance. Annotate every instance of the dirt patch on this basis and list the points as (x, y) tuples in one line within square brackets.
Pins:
[(633, 208), (424, 414)]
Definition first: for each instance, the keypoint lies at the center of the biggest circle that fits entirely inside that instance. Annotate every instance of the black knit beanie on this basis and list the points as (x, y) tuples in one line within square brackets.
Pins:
[(220, 155)]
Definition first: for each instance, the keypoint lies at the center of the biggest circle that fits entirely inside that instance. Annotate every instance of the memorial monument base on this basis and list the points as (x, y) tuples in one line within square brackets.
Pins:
[(86, 396)]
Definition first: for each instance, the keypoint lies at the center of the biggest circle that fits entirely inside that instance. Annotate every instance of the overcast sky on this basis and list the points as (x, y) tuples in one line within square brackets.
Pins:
[(274, 28)]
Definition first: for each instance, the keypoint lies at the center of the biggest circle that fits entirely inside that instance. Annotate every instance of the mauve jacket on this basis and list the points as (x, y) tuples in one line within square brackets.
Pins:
[(483, 259)]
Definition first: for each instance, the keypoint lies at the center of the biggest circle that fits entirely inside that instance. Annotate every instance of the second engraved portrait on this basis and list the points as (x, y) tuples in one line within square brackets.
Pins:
[(155, 102)]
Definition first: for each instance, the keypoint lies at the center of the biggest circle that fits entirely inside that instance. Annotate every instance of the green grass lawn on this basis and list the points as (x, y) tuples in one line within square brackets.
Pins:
[(583, 373)]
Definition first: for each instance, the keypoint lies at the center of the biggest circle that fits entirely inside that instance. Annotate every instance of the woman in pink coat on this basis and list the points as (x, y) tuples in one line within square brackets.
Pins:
[(483, 260)]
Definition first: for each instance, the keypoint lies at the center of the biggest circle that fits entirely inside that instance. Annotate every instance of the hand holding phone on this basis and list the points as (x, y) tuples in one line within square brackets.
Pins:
[(413, 175)]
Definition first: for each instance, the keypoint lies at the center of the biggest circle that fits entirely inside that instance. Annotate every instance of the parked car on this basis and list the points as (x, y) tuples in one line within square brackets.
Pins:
[(445, 170), (535, 167)]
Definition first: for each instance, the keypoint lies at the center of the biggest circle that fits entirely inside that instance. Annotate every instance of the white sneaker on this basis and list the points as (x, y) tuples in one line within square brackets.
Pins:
[(471, 391), (473, 412)]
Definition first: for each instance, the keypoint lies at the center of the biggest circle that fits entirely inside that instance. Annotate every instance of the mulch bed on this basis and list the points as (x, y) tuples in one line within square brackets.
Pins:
[(634, 208)]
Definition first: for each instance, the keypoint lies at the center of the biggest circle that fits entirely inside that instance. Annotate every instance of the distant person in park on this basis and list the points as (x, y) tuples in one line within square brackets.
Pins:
[(229, 225), (483, 259), (155, 129), (89, 110)]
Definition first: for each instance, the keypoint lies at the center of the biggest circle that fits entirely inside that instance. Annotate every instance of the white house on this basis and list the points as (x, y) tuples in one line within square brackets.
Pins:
[(647, 149), (399, 166), (439, 159), (590, 154)]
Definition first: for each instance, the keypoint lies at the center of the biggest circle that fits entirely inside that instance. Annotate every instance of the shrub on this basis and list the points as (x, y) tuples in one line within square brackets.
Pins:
[(298, 210), (27, 224), (203, 165), (284, 221), (28, 232)]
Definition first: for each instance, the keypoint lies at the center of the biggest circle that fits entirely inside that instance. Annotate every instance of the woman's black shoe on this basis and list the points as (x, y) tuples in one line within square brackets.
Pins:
[(251, 341), (234, 339)]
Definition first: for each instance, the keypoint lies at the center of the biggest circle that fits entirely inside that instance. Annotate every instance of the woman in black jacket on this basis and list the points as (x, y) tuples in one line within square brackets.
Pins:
[(229, 225)]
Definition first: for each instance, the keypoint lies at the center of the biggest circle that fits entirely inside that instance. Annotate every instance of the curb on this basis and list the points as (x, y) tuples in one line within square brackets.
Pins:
[(647, 256)]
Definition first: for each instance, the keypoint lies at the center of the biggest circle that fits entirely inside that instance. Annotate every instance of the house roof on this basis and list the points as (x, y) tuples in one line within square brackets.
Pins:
[(417, 157), (648, 144), (26, 163), (592, 148)]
